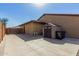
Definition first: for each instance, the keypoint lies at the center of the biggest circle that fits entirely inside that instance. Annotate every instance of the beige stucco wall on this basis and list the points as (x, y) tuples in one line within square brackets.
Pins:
[(22, 28), (69, 23), (37, 27), (33, 27), (29, 28)]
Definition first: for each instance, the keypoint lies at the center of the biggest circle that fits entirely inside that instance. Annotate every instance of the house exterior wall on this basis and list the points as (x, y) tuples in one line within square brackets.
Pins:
[(37, 27), (23, 29), (69, 23), (29, 28), (54, 28), (33, 27)]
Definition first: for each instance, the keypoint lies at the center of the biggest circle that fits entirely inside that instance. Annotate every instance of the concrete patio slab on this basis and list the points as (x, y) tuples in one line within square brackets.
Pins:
[(24, 45), (2, 45)]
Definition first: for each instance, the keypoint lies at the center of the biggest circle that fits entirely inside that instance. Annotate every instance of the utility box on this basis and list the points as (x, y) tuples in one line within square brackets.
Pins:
[(60, 35)]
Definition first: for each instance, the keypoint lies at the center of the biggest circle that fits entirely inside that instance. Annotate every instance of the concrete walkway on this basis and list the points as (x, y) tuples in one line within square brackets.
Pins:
[(2, 45), (23, 45)]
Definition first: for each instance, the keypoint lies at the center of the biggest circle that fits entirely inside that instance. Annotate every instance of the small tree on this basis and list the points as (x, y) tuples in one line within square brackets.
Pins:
[(4, 21)]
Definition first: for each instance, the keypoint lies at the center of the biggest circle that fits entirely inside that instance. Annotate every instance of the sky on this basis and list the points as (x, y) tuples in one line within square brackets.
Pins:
[(19, 13)]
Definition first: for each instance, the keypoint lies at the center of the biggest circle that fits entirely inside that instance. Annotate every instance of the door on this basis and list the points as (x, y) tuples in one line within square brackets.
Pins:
[(47, 31)]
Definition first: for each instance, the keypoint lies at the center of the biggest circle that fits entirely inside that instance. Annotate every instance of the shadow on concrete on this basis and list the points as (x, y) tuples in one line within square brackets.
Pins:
[(55, 41), (63, 41), (28, 37)]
